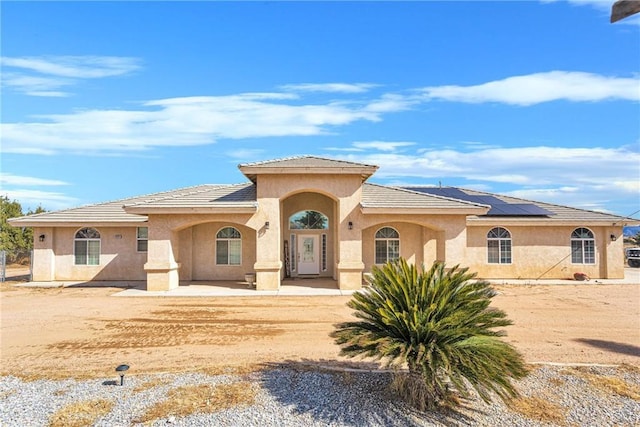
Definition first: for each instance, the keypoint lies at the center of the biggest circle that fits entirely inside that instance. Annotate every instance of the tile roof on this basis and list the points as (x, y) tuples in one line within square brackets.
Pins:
[(306, 165), (560, 213), (306, 162), (203, 196), (380, 196), (207, 195), (227, 197)]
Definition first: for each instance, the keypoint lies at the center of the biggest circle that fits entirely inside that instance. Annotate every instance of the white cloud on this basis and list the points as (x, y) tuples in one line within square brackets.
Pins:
[(10, 179), (581, 177), (178, 122), (79, 67), (329, 87), (50, 200), (542, 87), (246, 154), (46, 75), (382, 145)]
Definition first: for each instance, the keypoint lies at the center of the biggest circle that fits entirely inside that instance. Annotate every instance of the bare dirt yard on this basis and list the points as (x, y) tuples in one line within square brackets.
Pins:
[(85, 331)]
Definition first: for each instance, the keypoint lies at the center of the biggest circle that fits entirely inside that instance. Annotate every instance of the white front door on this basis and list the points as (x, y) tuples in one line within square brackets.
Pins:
[(308, 260)]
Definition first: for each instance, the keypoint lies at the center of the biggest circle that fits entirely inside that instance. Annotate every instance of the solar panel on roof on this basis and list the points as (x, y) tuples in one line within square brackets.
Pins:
[(498, 207)]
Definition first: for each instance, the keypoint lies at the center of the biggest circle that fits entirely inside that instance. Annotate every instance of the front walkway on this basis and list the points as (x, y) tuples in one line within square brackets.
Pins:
[(289, 287), (295, 287)]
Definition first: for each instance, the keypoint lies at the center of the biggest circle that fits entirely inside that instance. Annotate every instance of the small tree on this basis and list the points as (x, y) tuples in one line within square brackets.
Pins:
[(439, 324), (16, 241)]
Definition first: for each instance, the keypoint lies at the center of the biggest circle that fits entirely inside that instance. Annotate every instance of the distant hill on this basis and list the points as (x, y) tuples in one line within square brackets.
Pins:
[(631, 231)]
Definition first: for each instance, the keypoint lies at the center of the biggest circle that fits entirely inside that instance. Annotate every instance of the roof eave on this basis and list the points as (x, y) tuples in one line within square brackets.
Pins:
[(79, 223), (252, 172), (501, 220)]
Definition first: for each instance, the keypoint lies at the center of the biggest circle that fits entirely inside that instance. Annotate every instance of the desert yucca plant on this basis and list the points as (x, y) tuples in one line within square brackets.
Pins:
[(439, 325)]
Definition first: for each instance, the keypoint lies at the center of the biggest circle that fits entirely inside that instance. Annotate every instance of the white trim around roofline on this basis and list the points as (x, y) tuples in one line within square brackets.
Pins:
[(76, 223), (506, 221)]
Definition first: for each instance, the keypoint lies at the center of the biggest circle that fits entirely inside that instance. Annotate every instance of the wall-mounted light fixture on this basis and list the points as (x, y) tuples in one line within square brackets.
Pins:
[(266, 225), (42, 237), (350, 224), (613, 237)]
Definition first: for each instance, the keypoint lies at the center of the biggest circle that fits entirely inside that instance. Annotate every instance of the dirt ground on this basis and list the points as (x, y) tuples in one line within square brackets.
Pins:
[(87, 332)]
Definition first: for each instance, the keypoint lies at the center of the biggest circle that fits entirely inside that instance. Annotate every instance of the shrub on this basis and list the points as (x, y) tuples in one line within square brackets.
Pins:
[(438, 324)]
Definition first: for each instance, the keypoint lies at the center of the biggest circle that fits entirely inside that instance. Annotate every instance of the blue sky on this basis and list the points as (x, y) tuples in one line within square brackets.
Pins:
[(536, 99)]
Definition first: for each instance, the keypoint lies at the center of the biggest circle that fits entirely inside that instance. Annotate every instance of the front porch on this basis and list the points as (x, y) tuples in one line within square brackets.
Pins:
[(320, 286)]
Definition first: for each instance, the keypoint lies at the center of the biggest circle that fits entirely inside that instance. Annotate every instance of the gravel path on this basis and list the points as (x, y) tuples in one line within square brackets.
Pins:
[(297, 396)]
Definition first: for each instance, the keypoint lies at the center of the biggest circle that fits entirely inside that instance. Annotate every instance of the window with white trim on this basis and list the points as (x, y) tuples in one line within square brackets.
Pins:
[(583, 246), (499, 246), (228, 247), (142, 238), (387, 241), (323, 245), (86, 247), (293, 252)]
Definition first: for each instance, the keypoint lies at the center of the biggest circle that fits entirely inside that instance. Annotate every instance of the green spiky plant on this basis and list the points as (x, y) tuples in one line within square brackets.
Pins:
[(439, 325)]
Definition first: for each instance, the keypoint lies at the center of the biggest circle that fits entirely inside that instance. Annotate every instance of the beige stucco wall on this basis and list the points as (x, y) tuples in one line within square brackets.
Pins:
[(119, 258), (544, 252), (203, 253), (345, 193)]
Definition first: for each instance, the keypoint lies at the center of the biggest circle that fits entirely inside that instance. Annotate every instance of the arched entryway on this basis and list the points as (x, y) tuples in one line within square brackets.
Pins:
[(308, 234)]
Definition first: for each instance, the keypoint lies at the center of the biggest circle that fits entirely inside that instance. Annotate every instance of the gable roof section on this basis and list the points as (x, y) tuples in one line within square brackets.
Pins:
[(306, 165), (556, 214), (385, 199), (130, 211), (201, 199)]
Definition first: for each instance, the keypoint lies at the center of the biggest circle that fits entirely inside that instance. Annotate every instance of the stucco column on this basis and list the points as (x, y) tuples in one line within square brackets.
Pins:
[(268, 248), (161, 266), (350, 265), (43, 261), (611, 265)]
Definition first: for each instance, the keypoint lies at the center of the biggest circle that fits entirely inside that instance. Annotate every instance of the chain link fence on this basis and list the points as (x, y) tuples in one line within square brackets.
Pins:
[(16, 263)]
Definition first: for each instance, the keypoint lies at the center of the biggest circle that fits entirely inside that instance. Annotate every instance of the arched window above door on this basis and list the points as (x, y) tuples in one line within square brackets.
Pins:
[(308, 220)]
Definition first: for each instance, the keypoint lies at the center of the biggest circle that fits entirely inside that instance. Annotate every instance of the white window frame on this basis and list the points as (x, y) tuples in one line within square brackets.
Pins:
[(142, 239), (88, 241), (386, 240), (501, 240), (584, 243), (292, 252), (323, 250), (228, 241)]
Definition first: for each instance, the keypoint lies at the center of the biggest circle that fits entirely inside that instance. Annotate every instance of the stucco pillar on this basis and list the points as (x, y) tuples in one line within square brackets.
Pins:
[(350, 265), (43, 261), (268, 249), (161, 266), (613, 259), (455, 243)]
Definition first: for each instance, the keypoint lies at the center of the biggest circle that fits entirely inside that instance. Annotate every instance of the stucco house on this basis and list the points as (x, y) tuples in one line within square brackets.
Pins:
[(315, 217)]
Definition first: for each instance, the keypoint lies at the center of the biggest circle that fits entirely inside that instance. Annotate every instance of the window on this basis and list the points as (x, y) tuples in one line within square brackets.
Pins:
[(324, 252), (293, 252), (308, 220), (142, 238), (499, 246), (583, 246), (387, 245), (86, 247), (228, 246)]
